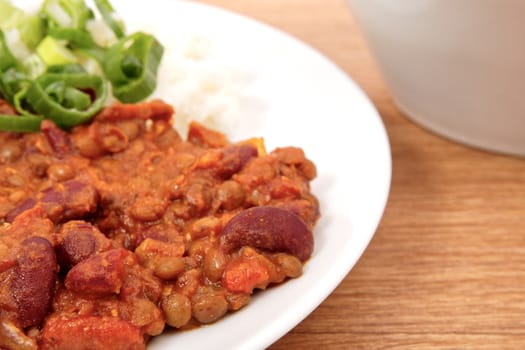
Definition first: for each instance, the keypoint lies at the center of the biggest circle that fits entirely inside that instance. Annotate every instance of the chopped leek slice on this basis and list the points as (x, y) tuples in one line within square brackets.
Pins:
[(66, 13), (54, 52), (58, 63)]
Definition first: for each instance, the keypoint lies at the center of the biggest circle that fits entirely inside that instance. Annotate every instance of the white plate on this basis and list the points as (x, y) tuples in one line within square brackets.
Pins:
[(297, 97)]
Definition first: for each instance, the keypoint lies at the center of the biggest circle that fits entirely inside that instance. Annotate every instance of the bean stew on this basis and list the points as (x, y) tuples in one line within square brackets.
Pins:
[(120, 229)]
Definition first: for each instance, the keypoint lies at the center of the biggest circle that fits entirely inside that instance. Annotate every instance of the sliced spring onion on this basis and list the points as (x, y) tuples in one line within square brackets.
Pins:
[(7, 59), (9, 14), (53, 52), (34, 66), (11, 82), (29, 27), (73, 68), (18, 123), (76, 37), (131, 66), (45, 59), (111, 18), (67, 99), (66, 13)]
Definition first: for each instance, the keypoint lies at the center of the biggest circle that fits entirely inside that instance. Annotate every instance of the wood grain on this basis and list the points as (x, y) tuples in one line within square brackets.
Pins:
[(446, 268)]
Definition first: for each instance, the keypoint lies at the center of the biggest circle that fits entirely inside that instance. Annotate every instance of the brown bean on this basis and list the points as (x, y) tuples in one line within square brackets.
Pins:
[(189, 281), (13, 338), (17, 196), (289, 265), (143, 314), (10, 151), (169, 267), (268, 228), (237, 300), (151, 249), (16, 180), (177, 309), (112, 138), (60, 172), (206, 226), (198, 248), (308, 169), (33, 285), (38, 163), (208, 308), (199, 197), (214, 264), (230, 195), (86, 143), (148, 208), (130, 128)]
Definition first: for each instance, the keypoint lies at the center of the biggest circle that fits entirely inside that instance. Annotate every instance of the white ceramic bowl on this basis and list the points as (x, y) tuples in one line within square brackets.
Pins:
[(455, 67)]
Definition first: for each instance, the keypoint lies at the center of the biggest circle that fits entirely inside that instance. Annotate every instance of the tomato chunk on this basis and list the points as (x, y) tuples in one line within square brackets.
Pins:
[(90, 333)]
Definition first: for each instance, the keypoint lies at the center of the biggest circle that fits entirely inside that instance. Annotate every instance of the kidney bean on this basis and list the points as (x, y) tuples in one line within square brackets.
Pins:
[(234, 158), (90, 332), (177, 309), (57, 138), (71, 199), (77, 245), (100, 274), (25, 205), (268, 228), (80, 199), (34, 278)]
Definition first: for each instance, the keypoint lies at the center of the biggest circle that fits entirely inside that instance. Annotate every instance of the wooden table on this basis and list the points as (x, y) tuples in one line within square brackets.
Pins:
[(446, 268)]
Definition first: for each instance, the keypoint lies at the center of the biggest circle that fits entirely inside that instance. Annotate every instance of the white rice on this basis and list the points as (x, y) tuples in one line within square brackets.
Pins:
[(198, 85)]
